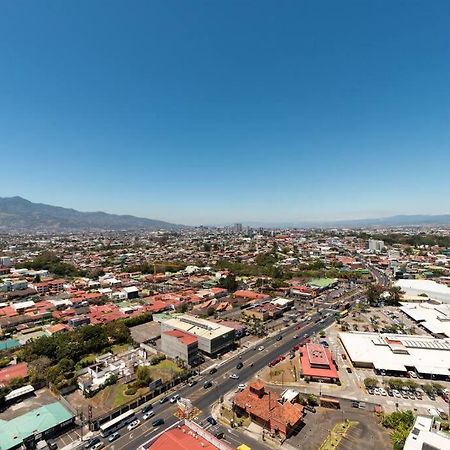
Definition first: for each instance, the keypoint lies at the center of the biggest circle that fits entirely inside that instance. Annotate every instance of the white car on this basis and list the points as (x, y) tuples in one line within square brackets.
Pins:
[(234, 376), (97, 446), (396, 393), (261, 348), (133, 424), (412, 374), (241, 387), (175, 398), (383, 392), (147, 415), (376, 391)]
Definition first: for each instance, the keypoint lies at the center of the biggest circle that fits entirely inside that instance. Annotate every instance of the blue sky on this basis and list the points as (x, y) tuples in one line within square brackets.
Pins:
[(217, 112)]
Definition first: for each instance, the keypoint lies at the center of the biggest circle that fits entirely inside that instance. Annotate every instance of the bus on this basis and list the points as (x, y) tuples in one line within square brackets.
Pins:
[(117, 423), (344, 313)]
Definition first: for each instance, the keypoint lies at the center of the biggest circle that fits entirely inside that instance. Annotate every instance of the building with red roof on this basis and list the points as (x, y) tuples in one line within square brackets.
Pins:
[(14, 371), (179, 344), (185, 435), (264, 407), (317, 363)]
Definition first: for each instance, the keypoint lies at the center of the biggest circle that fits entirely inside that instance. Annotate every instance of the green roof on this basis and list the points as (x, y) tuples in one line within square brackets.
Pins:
[(322, 282), (14, 431)]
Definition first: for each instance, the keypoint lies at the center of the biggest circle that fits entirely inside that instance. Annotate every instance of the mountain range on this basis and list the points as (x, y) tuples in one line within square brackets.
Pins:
[(17, 213)]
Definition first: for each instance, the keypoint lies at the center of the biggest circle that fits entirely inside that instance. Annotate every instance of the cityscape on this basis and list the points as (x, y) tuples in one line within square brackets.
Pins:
[(224, 225)]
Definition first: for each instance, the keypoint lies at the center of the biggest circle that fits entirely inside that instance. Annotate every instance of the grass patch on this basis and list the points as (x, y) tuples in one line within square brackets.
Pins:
[(166, 370), (228, 416), (336, 435), (120, 348)]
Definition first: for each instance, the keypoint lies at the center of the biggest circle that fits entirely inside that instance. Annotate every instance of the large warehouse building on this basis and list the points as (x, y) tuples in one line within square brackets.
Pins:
[(417, 289), (396, 354), (213, 338)]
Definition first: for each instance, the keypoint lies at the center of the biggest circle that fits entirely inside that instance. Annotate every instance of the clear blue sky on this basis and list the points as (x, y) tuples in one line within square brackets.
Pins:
[(224, 111)]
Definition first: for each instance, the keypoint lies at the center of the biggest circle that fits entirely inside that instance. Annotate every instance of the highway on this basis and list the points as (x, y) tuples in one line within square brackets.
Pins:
[(203, 399)]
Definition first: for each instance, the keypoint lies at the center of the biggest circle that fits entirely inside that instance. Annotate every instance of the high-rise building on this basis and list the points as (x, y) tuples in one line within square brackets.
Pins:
[(375, 245)]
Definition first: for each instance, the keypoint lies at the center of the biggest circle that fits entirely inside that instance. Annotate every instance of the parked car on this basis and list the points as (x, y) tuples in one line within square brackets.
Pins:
[(370, 391), (211, 420), (212, 370), (97, 446), (158, 422), (114, 436), (91, 442), (241, 386), (376, 391), (133, 424), (412, 374)]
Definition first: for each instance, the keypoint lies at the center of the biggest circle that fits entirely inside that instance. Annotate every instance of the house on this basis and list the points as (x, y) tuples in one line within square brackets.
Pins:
[(13, 371), (264, 407)]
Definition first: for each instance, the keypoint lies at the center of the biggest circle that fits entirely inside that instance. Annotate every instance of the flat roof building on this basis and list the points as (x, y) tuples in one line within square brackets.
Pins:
[(399, 353), (212, 337), (179, 344)]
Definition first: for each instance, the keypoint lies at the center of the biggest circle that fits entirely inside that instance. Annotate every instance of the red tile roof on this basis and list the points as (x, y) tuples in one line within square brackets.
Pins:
[(185, 338), (15, 371), (317, 362)]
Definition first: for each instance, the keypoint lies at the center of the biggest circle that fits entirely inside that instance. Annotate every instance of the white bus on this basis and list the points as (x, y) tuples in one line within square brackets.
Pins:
[(117, 423)]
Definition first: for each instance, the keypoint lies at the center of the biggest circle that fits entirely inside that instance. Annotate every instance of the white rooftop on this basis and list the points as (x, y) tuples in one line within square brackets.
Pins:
[(397, 352), (422, 436), (413, 288), (197, 326), (434, 318)]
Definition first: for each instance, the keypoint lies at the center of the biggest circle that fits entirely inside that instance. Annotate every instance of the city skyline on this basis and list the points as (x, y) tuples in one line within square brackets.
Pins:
[(215, 114)]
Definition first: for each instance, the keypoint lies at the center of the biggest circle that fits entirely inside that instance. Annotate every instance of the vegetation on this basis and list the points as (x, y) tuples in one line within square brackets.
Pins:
[(51, 262), (401, 423), (370, 383), (415, 240), (157, 267)]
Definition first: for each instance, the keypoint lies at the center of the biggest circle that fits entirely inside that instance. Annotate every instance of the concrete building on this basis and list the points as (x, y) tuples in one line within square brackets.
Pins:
[(396, 354), (432, 317), (424, 437), (213, 338), (178, 344), (423, 290), (375, 245)]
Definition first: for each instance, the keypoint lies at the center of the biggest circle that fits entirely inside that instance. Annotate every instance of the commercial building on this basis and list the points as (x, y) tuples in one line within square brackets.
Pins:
[(432, 317), (264, 407), (29, 428), (185, 435), (213, 338), (317, 363), (424, 289), (424, 437), (178, 344), (397, 354)]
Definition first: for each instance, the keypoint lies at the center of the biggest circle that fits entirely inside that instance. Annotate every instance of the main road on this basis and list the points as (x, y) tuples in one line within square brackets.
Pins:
[(253, 361)]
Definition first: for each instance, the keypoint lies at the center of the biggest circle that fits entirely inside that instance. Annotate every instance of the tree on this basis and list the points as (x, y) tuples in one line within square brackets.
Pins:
[(143, 377), (370, 383), (374, 292), (229, 283), (394, 296), (210, 311)]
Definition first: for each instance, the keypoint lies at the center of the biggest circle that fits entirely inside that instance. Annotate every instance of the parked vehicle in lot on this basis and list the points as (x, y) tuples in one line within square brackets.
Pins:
[(114, 436), (175, 398), (412, 374), (376, 391), (211, 420), (158, 422), (396, 393), (207, 384), (147, 415), (370, 391), (91, 442), (134, 424)]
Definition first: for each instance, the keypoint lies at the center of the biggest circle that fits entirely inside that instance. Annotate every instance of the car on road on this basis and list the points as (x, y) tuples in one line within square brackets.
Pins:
[(295, 336), (207, 384), (147, 409), (158, 422), (192, 383), (147, 415), (175, 398), (239, 365), (91, 442), (279, 337), (349, 370), (234, 376), (213, 370), (260, 348), (211, 420), (133, 424), (164, 399), (97, 446), (114, 436), (241, 386)]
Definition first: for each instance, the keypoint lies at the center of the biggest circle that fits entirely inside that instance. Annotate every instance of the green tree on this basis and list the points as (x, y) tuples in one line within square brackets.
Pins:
[(370, 383), (143, 377)]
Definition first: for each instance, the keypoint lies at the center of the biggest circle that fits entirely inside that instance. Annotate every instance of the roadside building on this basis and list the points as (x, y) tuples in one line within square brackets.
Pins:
[(264, 407), (424, 437), (317, 363), (179, 344), (29, 428), (213, 338)]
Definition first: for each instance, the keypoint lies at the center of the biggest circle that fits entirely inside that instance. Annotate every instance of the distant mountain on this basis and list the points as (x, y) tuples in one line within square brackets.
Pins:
[(17, 213), (392, 221)]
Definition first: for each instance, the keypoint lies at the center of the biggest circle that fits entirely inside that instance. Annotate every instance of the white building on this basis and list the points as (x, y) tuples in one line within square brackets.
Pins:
[(434, 318), (375, 245), (423, 289), (399, 353), (423, 437)]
